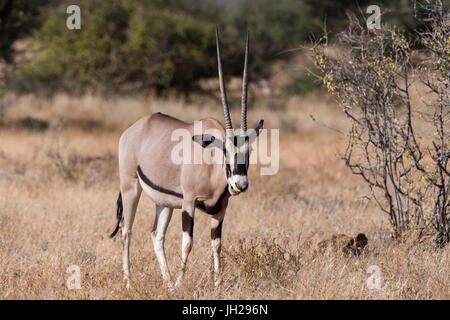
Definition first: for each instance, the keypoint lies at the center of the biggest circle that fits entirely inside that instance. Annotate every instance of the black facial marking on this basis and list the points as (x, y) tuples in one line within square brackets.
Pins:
[(239, 168), (215, 209), (228, 168), (238, 141), (188, 223), (217, 232), (156, 187)]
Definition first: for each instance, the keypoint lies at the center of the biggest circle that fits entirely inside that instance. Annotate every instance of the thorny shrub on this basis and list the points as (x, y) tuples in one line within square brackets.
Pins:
[(371, 78)]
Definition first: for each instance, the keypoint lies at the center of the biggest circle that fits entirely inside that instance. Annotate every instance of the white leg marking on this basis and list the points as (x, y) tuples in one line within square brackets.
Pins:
[(158, 236), (216, 243), (126, 237), (216, 246), (130, 200), (186, 247)]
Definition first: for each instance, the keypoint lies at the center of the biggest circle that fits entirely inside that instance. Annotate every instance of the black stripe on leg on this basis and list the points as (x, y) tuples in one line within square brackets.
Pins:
[(187, 223), (217, 232)]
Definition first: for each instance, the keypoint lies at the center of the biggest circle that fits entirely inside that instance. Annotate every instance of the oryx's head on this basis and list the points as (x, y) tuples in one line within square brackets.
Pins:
[(237, 145)]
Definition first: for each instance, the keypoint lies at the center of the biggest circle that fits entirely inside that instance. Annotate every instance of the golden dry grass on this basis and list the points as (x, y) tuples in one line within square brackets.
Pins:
[(57, 212)]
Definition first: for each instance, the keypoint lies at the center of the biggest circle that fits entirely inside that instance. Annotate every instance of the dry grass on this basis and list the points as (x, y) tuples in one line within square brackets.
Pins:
[(57, 206)]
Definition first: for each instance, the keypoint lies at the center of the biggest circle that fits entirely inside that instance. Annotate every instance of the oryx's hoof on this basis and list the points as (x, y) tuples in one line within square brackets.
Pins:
[(179, 278), (127, 282), (170, 286), (217, 281)]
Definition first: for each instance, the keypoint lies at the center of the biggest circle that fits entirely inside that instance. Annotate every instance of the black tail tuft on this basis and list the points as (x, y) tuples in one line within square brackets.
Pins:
[(119, 215)]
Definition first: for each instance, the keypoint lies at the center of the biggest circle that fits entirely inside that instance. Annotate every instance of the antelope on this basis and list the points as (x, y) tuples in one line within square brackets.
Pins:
[(145, 164)]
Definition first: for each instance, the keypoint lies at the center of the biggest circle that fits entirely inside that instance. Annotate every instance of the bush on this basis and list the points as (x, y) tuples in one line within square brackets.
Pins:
[(275, 26), (371, 78), (334, 13), (301, 82), (122, 46), (128, 46), (17, 19)]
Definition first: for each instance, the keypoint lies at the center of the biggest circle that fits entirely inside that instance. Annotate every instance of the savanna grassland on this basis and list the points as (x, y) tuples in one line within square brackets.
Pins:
[(59, 185)]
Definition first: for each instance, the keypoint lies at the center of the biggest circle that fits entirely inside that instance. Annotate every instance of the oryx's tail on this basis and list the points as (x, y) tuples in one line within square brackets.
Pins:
[(119, 215)]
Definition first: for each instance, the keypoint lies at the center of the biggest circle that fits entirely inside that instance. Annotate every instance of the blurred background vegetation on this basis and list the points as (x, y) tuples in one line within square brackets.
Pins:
[(164, 46)]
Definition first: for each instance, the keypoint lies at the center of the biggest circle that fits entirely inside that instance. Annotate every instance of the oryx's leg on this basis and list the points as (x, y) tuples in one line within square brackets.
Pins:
[(216, 243), (131, 192), (162, 219), (187, 215)]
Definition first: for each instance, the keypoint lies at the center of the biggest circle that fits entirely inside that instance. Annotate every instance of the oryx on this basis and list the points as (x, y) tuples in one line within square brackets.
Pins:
[(145, 163)]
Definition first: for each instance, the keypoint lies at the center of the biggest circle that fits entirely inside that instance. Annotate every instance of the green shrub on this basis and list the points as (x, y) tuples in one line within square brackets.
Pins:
[(17, 19), (121, 46), (300, 82), (275, 26)]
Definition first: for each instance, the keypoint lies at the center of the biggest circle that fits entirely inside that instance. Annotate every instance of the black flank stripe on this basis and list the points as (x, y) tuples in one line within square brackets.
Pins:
[(156, 187)]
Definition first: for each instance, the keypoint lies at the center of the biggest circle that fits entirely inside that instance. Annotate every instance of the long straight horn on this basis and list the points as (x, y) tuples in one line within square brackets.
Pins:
[(226, 110), (244, 87)]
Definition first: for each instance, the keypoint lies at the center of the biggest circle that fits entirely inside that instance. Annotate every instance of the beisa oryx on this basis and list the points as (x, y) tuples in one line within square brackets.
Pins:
[(145, 164)]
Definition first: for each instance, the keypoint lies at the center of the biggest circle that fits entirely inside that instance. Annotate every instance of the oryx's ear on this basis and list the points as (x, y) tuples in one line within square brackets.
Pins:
[(259, 127), (207, 141), (255, 133)]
